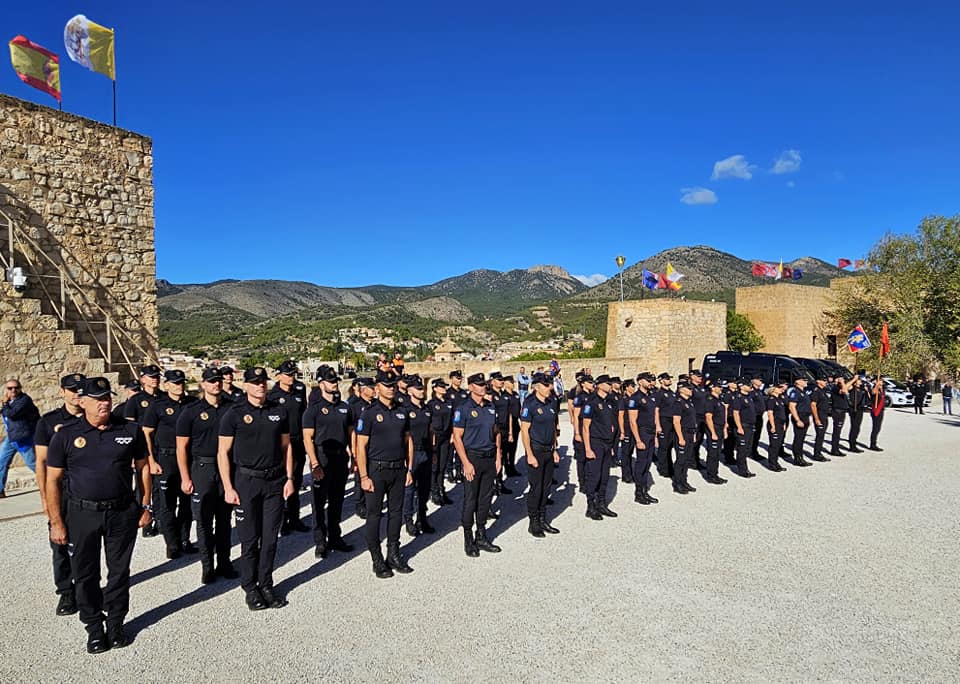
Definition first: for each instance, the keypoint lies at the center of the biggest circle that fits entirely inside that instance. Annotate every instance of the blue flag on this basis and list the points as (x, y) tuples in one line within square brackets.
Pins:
[(797, 273), (857, 340), (650, 279)]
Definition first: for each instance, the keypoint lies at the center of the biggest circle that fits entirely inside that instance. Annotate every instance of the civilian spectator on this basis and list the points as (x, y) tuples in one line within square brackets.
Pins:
[(20, 418), (947, 390)]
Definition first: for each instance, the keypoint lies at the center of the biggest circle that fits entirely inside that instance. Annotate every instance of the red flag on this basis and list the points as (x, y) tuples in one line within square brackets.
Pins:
[(759, 269), (787, 273), (662, 282), (858, 264), (884, 341), (843, 263)]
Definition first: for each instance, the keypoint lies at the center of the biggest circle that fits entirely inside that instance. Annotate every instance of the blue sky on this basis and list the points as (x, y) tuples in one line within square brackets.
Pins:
[(401, 143)]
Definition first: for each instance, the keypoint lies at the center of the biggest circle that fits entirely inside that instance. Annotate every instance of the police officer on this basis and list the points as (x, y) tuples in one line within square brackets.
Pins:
[(641, 417), (513, 434), (328, 426), (441, 423), (599, 431), (730, 392), (49, 424), (172, 506), (627, 444), (579, 395), (857, 397), (776, 414), (821, 409), (291, 394), (134, 410), (665, 402), (95, 452), (476, 440), (254, 433), (385, 461), (744, 417), (538, 432), (197, 439), (500, 402), (366, 393), (130, 388), (798, 404), (715, 417), (699, 398), (456, 394), (417, 493), (840, 405), (230, 391), (685, 428)]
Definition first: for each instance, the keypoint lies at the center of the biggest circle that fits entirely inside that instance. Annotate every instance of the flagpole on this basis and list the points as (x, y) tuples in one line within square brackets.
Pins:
[(114, 103)]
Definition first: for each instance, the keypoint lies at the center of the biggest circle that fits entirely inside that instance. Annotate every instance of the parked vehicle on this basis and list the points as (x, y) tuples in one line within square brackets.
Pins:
[(897, 394), (773, 368), (838, 368)]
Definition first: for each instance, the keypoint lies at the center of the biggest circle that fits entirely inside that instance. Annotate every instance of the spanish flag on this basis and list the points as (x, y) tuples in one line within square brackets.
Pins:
[(91, 45), (36, 66)]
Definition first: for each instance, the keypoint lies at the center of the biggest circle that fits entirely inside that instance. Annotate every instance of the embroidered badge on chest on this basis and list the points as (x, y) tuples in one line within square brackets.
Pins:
[(324, 410), (79, 442), (248, 419), (144, 403), (379, 417), (204, 416), (169, 411)]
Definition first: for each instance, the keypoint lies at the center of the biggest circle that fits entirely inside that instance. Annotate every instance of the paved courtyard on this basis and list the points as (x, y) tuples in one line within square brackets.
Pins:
[(846, 571)]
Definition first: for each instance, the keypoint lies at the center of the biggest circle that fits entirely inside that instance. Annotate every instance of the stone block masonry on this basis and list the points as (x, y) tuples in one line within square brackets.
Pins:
[(788, 316)]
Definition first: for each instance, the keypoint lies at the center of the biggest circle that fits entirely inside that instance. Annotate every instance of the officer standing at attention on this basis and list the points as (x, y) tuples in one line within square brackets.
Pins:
[(821, 409), (665, 400), (456, 395), (776, 425), (641, 417), (500, 401), (476, 439), (134, 410), (130, 388), (716, 421), (857, 397), (798, 403), (627, 444), (366, 391), (685, 429), (538, 431), (254, 432), (197, 439), (579, 396), (230, 391), (417, 493), (730, 392), (291, 394), (48, 425), (95, 452), (441, 423), (327, 436), (171, 505), (599, 431), (760, 404), (699, 398), (744, 418), (385, 462), (513, 435), (840, 405)]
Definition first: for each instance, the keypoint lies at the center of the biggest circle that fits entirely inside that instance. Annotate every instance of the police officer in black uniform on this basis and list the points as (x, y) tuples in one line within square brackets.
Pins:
[(666, 400), (513, 435), (456, 394), (730, 392), (798, 404), (744, 417), (230, 391), (417, 493), (641, 417), (49, 424), (776, 414), (500, 404), (758, 394), (476, 440), (327, 435), (840, 405), (538, 432), (599, 431), (859, 401), (385, 461), (254, 433), (821, 409), (627, 444), (441, 423), (366, 393), (130, 388), (685, 429), (715, 417), (198, 427), (291, 394), (699, 398), (575, 401), (172, 506), (134, 410), (95, 452)]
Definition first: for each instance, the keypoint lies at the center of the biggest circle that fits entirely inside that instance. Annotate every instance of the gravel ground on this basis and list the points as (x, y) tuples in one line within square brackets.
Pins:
[(846, 571)]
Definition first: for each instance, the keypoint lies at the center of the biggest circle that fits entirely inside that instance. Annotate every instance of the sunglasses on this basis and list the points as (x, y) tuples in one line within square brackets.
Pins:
[(14, 387)]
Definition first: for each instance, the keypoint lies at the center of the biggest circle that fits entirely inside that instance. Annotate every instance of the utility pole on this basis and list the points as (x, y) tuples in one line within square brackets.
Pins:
[(620, 262)]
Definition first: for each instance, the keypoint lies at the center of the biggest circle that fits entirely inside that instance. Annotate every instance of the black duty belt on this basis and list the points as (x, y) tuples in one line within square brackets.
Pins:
[(481, 453), (166, 451), (388, 465), (537, 446), (205, 459), (104, 505), (262, 473)]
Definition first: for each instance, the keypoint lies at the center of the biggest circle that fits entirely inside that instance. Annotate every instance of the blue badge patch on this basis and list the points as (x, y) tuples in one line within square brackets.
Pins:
[(631, 404), (526, 413), (360, 425), (456, 414), (586, 410)]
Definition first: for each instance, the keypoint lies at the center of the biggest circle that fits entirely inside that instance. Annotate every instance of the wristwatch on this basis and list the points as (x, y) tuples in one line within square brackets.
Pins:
[(147, 507)]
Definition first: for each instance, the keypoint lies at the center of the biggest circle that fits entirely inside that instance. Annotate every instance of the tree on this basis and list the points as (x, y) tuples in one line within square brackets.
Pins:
[(742, 336), (913, 284)]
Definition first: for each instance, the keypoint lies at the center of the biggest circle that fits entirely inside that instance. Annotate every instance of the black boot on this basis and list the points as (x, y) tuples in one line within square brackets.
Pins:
[(534, 527), (255, 600), (271, 599), (96, 638), (226, 570), (396, 560), (592, 511), (483, 543), (545, 526), (603, 509), (446, 499), (67, 605), (424, 526), (207, 574), (469, 544), (410, 527), (640, 497), (380, 567)]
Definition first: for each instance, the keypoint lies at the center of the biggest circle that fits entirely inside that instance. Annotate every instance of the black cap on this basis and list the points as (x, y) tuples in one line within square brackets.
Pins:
[(132, 385), (683, 377), (212, 374), (439, 382), (508, 378), (255, 374), (744, 381), (150, 371), (288, 367), (664, 376), (727, 381), (96, 388), (587, 378), (388, 379), (175, 376), (477, 379), (456, 374), (415, 381), (696, 373), (74, 381), (646, 375), (684, 385), (405, 379), (226, 370), (365, 382), (495, 375), (327, 374), (541, 379), (629, 382), (615, 379), (604, 378)]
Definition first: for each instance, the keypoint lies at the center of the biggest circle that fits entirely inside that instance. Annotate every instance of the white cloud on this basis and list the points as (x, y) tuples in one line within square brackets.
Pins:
[(592, 280), (733, 167), (698, 196), (788, 162), (791, 184)]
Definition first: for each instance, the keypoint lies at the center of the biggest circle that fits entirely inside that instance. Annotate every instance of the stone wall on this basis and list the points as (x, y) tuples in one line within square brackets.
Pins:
[(665, 334), (788, 316), (83, 191)]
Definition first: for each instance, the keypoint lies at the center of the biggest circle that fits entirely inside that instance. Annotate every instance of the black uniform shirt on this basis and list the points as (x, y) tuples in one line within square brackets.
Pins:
[(542, 417), (441, 418), (665, 401), (295, 402), (801, 399), (513, 413), (420, 431), (50, 423), (97, 462), (857, 396), (331, 422), (821, 397), (455, 397), (479, 424), (162, 416), (687, 411), (387, 429), (201, 423), (256, 432), (748, 412), (233, 393), (759, 403), (699, 399), (716, 407), (779, 408), (501, 401), (602, 413), (138, 404), (839, 400), (645, 405)]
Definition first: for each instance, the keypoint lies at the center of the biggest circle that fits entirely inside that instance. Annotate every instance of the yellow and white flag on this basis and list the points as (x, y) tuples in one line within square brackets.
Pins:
[(91, 45)]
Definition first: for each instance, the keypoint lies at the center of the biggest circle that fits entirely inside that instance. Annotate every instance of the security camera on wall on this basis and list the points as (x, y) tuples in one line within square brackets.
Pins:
[(18, 279)]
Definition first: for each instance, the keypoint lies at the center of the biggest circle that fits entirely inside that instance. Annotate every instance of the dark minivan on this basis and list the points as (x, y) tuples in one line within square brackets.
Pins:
[(773, 368)]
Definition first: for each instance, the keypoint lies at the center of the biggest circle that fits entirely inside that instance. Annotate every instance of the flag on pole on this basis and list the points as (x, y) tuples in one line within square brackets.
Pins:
[(843, 263), (884, 341), (673, 277), (779, 275), (650, 280), (759, 269), (857, 340), (797, 273), (859, 264), (787, 272), (36, 66), (90, 45)]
